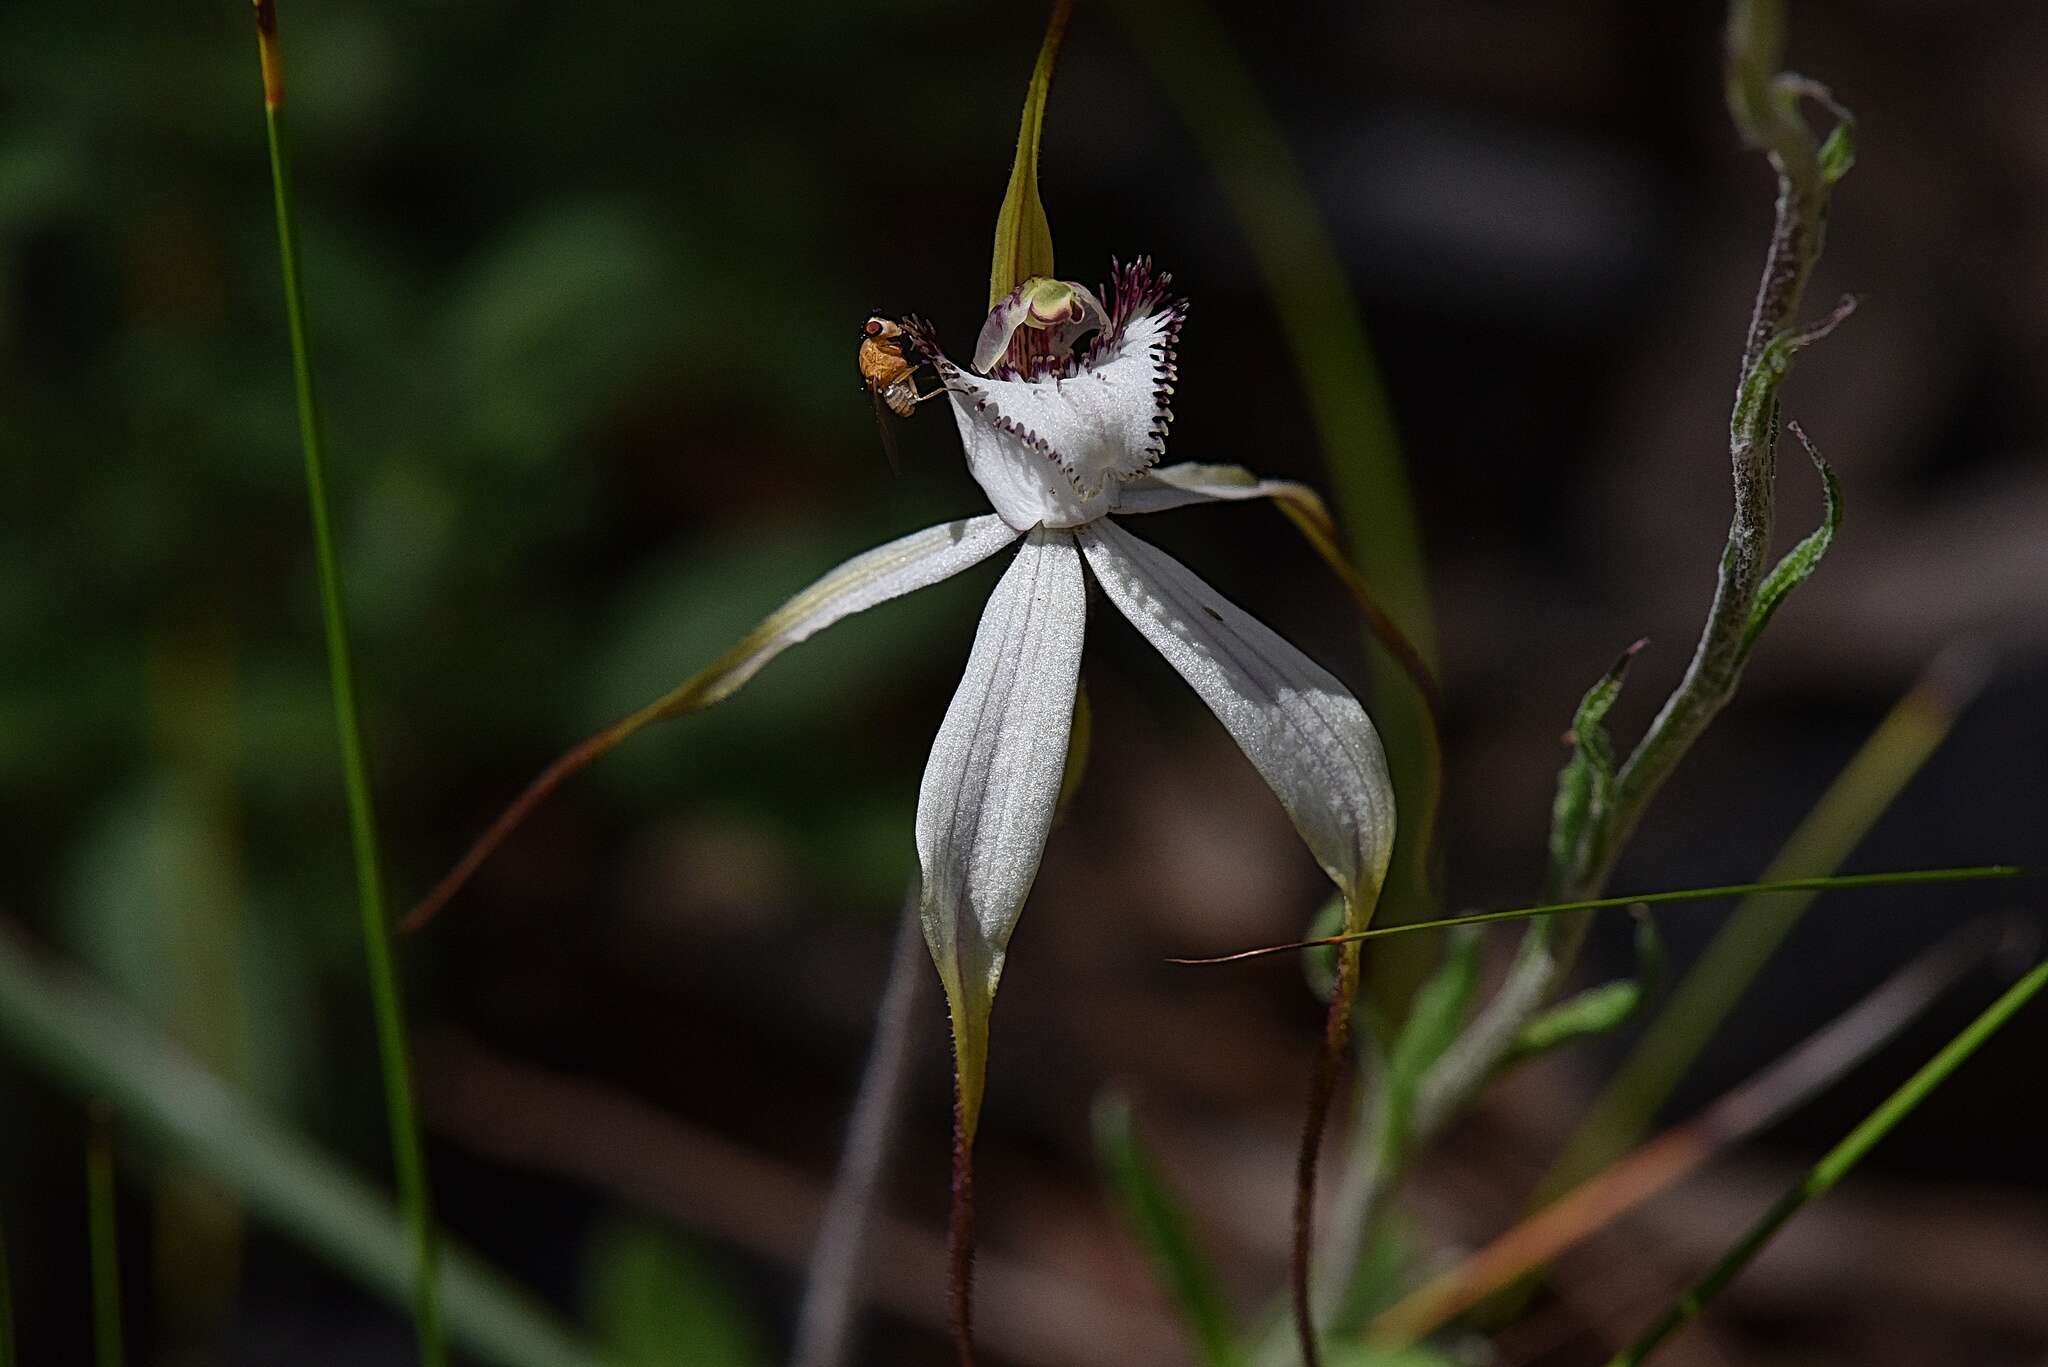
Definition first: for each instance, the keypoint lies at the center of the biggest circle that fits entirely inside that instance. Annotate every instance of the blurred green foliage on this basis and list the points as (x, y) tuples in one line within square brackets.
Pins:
[(653, 1301), (584, 341)]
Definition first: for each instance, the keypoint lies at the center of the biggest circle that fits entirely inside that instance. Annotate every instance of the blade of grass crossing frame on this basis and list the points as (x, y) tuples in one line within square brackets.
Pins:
[(1312, 297), (1830, 1170), (394, 1047), (103, 1241), (1313, 301), (1838, 823), (1975, 873), (1158, 1221), (87, 1042)]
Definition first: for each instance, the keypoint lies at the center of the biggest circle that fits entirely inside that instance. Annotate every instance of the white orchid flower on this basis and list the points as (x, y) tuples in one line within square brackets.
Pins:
[(1064, 419), (1063, 428)]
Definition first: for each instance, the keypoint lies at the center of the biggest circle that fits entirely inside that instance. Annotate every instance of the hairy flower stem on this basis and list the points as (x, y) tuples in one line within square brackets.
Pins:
[(1322, 1089), (1764, 106), (1716, 666), (960, 1238)]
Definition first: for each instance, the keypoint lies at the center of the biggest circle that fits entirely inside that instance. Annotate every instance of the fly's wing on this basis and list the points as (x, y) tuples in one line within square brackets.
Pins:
[(887, 428)]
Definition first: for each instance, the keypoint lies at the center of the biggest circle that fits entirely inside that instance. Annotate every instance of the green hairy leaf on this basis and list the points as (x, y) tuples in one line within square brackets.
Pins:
[(1802, 559), (1756, 402), (1838, 153), (1598, 1010), (1585, 785)]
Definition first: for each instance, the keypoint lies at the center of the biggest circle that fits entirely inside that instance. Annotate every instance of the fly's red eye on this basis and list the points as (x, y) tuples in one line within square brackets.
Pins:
[(874, 328)]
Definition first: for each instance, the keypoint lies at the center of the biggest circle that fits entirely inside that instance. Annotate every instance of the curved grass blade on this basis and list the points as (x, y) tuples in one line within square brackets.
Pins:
[(1803, 559), (1311, 294), (1976, 873), (86, 1041), (1326, 336), (393, 1043), (1830, 1170)]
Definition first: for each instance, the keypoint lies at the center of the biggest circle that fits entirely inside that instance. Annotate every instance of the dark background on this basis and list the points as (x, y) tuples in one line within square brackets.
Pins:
[(585, 283)]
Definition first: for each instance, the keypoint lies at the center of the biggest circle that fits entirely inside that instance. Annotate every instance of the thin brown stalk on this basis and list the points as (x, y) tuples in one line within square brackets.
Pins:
[(1322, 1089), (960, 1239), (509, 820)]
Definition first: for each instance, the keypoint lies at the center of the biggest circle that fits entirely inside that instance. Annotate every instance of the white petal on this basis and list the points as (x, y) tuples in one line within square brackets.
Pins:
[(989, 788), (1306, 735), (1021, 476), (1050, 451), (888, 571), (1178, 486)]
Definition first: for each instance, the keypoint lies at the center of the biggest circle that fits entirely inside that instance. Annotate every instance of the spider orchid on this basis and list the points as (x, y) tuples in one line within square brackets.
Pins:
[(1063, 417)]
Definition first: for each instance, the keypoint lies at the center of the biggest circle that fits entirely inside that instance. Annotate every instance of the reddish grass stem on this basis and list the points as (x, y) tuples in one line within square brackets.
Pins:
[(1322, 1089), (960, 1238)]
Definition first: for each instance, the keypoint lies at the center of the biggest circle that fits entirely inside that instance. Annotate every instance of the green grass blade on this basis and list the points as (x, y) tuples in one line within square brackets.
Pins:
[(104, 1243), (1838, 823), (92, 1045), (1794, 1078), (1325, 334), (1157, 1220), (393, 1044), (1830, 1170), (1312, 297), (1975, 873)]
